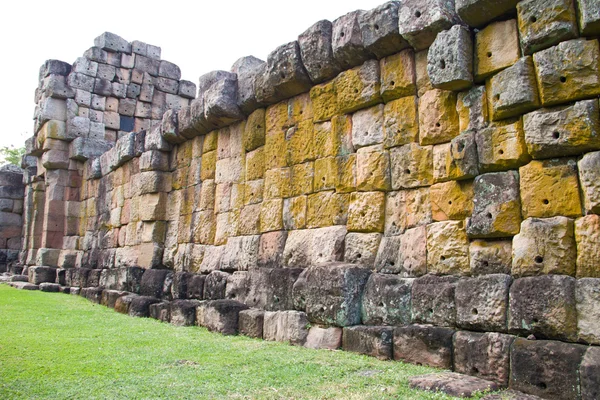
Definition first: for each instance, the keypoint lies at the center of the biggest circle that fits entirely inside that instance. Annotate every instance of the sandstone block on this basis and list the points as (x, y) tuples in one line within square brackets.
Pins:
[(254, 130), (450, 59), (547, 369), (485, 355), (330, 293), (497, 206), (496, 48), (264, 288), (420, 22), (398, 75), (452, 383), (324, 338), (358, 88), (220, 315), (361, 248), (424, 344), (400, 122), (544, 306), (247, 70), (375, 341), (41, 274), (251, 323), (286, 326), (568, 71), (447, 248), (472, 108), (307, 247), (112, 43), (49, 287), (544, 24), (587, 297), (513, 91), (373, 169), (589, 18), (544, 246), (153, 282), (366, 212), (195, 287), (588, 174), (160, 311), (482, 302), (457, 159), (270, 249), (367, 126), (433, 300), (478, 12), (271, 215), (501, 146), (317, 52), (324, 101), (295, 212), (451, 200), (139, 306), (490, 257), (283, 75), (380, 31), (214, 285), (386, 300), (587, 236), (550, 188), (220, 102), (183, 312), (347, 41), (241, 253), (563, 131), (406, 209), (411, 166), (438, 118)]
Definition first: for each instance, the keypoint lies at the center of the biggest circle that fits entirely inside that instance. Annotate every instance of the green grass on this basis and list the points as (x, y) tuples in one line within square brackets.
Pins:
[(59, 346)]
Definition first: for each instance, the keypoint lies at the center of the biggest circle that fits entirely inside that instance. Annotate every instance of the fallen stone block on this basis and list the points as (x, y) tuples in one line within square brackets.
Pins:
[(374, 341), (329, 338), (452, 384), (220, 315), (547, 369), (424, 345), (251, 323)]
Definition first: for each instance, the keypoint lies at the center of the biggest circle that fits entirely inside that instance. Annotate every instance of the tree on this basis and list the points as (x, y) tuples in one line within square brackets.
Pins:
[(11, 155)]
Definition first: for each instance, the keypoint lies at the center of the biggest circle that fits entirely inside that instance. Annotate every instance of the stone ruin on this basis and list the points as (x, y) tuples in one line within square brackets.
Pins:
[(417, 182)]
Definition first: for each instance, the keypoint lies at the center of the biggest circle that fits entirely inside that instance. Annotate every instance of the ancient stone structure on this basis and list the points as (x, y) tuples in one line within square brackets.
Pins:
[(11, 211), (420, 181)]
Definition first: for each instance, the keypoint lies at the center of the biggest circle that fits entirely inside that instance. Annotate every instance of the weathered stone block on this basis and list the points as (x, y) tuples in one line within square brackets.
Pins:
[(373, 169), (450, 59), (589, 373), (420, 22), (424, 345), (295, 213), (472, 109), (406, 209), (501, 146), (220, 102), (568, 71), (271, 215), (375, 341), (380, 31), (486, 355), (587, 236), (324, 101), (386, 300), (433, 300), (490, 257), (478, 12), (49, 287), (447, 248), (330, 293), (240, 254), (438, 118), (589, 167), (497, 206), (587, 296), (283, 75), (307, 247), (482, 302), (361, 248), (247, 70), (411, 166), (367, 127), (547, 369), (544, 246), (220, 315), (347, 41), (457, 159), (366, 212), (329, 338), (451, 200), (358, 87), (550, 188), (251, 323), (153, 282), (544, 306), (286, 326), (544, 24), (270, 249), (160, 311), (400, 122), (513, 91), (589, 18), (183, 312), (317, 52), (41, 274), (496, 48), (109, 297), (398, 75), (139, 305)]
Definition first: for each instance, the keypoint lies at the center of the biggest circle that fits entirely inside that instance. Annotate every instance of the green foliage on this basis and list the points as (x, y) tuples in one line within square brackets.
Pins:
[(11, 155), (60, 346)]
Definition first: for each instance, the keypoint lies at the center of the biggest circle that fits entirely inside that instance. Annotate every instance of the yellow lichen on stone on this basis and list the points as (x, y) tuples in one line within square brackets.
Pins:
[(400, 122), (358, 88), (372, 169), (496, 48), (207, 195), (277, 183), (447, 248), (366, 212), (333, 138), (423, 82), (210, 142), (294, 213), (326, 209), (301, 178), (346, 174), (204, 227), (438, 118), (276, 118), (326, 174), (255, 164), (250, 220), (587, 236), (501, 146), (254, 130), (271, 215), (412, 166), (398, 75), (406, 209), (300, 141), (209, 165), (275, 150), (451, 200), (253, 191), (324, 101), (300, 109)]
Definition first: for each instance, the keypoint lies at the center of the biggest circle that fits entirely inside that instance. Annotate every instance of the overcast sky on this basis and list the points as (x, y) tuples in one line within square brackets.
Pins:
[(199, 36)]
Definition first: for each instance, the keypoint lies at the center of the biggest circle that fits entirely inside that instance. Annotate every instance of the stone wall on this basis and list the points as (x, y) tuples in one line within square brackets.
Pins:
[(419, 182), (11, 210)]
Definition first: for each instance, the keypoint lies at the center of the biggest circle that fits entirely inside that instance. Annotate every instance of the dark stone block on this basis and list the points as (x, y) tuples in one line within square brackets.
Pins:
[(485, 355), (93, 294), (452, 384), (330, 293), (283, 76), (548, 369), (386, 300), (195, 287), (544, 306), (109, 297), (482, 302), (266, 288), (183, 312), (220, 315), (127, 123), (122, 304), (93, 278), (140, 306), (317, 53), (161, 311), (19, 278), (424, 345), (214, 285), (54, 67), (77, 277), (251, 323), (39, 275), (477, 13), (133, 280), (380, 33), (153, 281), (433, 300), (49, 287), (61, 276), (347, 41), (247, 70), (589, 373), (181, 280), (373, 341), (221, 102)]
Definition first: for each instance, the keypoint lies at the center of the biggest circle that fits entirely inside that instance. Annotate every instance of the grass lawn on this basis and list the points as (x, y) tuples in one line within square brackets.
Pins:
[(54, 345)]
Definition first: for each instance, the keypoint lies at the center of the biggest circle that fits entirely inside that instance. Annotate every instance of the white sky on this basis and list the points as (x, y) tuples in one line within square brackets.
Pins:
[(198, 36)]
